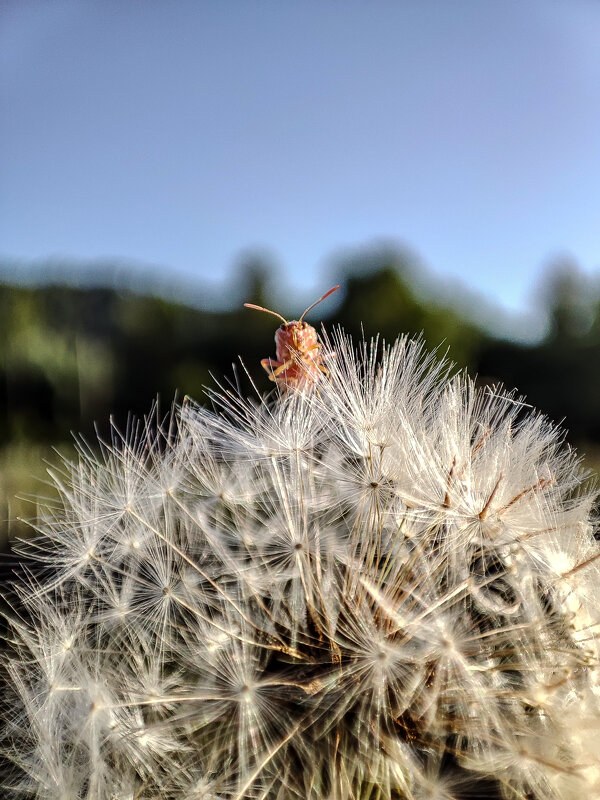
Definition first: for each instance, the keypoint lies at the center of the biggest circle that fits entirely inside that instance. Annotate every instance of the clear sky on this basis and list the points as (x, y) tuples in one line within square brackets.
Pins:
[(183, 133)]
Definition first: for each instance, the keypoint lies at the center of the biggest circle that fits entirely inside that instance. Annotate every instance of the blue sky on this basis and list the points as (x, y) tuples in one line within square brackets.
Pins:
[(184, 134)]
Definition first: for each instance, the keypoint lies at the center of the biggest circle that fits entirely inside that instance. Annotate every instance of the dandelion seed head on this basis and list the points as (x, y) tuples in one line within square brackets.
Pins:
[(384, 587)]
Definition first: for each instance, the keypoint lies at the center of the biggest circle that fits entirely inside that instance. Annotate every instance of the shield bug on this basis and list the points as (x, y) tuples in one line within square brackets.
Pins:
[(299, 360)]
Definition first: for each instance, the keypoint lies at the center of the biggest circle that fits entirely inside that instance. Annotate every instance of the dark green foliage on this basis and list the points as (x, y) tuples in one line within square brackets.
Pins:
[(70, 357), (561, 374), (380, 298)]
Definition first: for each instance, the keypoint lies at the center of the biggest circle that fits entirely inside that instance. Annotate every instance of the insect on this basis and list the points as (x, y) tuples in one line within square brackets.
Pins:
[(299, 362)]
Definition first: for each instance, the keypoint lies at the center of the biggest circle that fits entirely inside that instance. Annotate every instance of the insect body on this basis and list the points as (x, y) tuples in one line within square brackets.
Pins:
[(299, 361)]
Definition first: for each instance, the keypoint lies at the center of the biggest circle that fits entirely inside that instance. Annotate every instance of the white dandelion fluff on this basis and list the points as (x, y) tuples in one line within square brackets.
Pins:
[(383, 588)]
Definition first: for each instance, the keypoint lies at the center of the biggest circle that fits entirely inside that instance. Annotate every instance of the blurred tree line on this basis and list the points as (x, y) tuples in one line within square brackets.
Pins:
[(72, 357)]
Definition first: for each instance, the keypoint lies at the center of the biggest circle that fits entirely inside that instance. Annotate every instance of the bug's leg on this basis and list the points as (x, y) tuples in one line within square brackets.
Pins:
[(281, 368), (269, 364), (275, 368)]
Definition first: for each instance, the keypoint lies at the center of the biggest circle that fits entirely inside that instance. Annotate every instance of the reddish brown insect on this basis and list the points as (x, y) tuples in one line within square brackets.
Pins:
[(299, 362)]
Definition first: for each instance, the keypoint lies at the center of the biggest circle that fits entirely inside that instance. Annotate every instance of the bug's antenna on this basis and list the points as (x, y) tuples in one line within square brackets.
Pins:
[(316, 303), (268, 310)]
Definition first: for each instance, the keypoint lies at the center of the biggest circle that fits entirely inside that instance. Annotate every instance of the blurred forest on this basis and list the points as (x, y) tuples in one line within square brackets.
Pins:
[(70, 358)]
